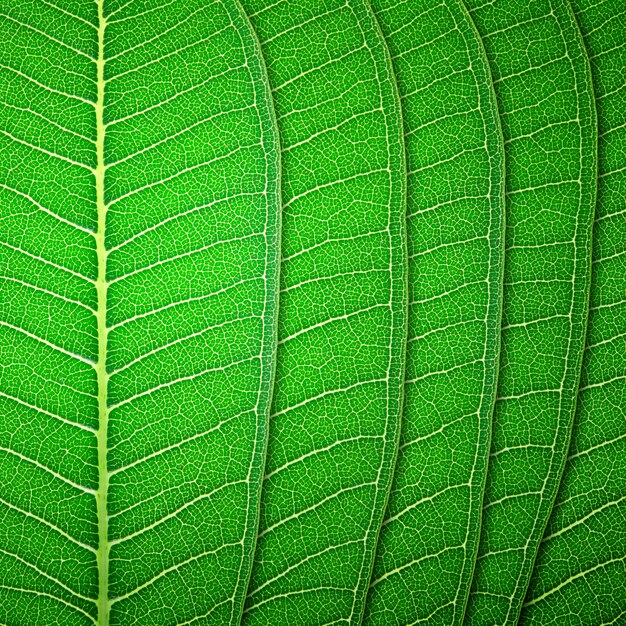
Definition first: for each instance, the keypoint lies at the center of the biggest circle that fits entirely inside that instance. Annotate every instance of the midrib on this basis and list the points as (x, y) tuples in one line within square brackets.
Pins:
[(103, 378)]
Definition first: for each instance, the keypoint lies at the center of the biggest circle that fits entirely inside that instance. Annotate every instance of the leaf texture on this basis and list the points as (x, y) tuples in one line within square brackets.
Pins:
[(138, 237), (455, 224), (580, 573), (544, 91), (342, 326)]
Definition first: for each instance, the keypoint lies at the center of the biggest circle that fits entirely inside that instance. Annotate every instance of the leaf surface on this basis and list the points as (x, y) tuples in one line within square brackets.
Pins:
[(139, 260), (342, 325), (544, 91), (455, 222), (580, 573)]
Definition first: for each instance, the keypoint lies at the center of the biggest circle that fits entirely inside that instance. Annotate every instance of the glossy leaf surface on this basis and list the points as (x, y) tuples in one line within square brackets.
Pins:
[(455, 222), (342, 326), (543, 86), (138, 252), (580, 573)]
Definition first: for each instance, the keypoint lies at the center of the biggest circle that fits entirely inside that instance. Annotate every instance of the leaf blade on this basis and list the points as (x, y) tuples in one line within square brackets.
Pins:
[(337, 396), (167, 320), (456, 223), (550, 146), (580, 566)]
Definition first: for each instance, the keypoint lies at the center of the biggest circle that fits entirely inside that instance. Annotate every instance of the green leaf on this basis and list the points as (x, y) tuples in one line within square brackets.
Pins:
[(139, 259), (342, 325), (543, 85), (455, 221), (580, 573)]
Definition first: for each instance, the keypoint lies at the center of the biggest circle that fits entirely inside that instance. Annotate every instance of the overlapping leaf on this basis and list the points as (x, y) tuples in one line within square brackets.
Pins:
[(580, 573), (342, 325), (543, 85), (455, 221), (138, 251)]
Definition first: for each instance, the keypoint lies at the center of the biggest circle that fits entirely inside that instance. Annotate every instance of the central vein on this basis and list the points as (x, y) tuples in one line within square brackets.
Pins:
[(103, 378)]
